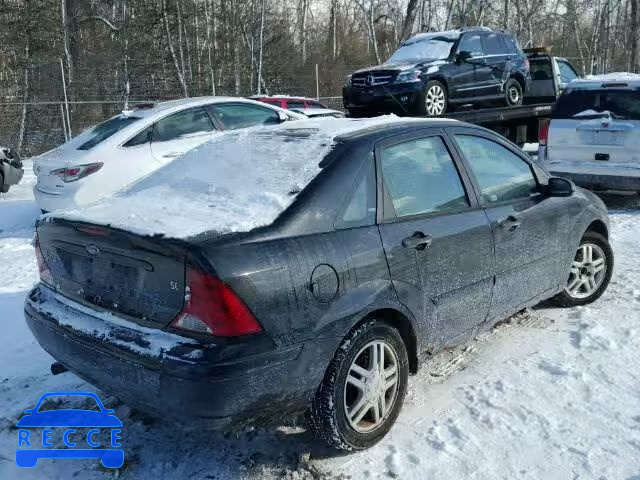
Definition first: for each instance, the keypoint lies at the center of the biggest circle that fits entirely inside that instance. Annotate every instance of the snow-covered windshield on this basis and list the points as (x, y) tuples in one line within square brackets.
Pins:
[(234, 183), (584, 104), (104, 130), (423, 48)]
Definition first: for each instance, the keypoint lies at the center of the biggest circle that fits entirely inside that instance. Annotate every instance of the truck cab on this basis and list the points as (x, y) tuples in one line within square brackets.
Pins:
[(549, 76)]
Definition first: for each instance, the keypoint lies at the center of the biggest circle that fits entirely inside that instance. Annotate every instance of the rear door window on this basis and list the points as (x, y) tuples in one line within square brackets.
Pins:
[(492, 44), (471, 43), (586, 104), (190, 123), (511, 43), (104, 130), (233, 116), (420, 177)]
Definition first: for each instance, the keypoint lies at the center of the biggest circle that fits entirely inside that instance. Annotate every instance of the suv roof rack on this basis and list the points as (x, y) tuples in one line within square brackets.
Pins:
[(475, 29)]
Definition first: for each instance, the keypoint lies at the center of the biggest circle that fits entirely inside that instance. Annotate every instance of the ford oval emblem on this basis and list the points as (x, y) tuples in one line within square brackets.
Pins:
[(93, 250)]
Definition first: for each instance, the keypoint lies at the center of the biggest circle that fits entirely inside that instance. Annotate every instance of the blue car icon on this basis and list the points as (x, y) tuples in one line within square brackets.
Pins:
[(68, 419)]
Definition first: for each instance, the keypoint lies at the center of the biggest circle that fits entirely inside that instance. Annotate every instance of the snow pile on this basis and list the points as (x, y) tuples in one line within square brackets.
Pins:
[(236, 182)]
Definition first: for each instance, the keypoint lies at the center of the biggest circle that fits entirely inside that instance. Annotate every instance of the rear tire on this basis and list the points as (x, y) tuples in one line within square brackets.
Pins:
[(590, 273), (360, 397), (513, 93), (3, 188)]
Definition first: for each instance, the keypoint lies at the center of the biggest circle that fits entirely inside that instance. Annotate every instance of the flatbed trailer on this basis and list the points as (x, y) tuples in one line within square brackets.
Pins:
[(519, 124)]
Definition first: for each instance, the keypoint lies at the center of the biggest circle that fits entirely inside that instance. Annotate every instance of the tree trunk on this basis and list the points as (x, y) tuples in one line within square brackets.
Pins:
[(409, 19), (25, 92), (179, 72), (633, 50)]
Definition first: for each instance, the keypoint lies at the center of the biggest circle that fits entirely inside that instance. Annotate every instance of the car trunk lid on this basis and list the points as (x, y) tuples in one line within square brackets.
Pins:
[(141, 279)]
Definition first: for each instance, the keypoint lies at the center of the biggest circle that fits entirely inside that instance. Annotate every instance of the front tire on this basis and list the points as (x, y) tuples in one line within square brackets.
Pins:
[(363, 389), (590, 272), (434, 100)]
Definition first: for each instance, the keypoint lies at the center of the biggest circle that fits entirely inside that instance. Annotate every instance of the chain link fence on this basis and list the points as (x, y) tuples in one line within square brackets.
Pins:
[(39, 124)]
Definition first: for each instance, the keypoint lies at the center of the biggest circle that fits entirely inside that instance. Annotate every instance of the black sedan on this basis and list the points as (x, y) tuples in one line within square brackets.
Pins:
[(399, 239)]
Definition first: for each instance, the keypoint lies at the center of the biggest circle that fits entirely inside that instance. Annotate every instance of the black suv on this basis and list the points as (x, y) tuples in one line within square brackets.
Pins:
[(432, 71)]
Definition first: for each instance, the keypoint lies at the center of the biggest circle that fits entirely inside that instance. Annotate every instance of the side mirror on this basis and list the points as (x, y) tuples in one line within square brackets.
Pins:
[(463, 56), (560, 187)]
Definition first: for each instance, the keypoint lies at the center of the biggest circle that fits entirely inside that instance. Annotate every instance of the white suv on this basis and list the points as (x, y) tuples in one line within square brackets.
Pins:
[(594, 134), (110, 156)]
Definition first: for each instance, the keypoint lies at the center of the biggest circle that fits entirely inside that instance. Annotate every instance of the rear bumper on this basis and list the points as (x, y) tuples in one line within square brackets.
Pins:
[(602, 182), (221, 385), (51, 202), (398, 98)]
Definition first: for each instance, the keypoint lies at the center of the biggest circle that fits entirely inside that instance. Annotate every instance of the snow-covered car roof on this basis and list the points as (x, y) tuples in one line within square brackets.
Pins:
[(250, 180), (631, 80), (286, 97)]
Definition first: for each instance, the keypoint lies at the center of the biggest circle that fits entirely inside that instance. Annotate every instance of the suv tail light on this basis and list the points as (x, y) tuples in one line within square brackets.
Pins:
[(212, 308), (45, 274), (71, 174), (543, 132)]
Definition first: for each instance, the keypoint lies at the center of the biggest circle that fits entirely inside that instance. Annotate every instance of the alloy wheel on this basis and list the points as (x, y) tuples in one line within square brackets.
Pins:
[(435, 100), (588, 271), (372, 386)]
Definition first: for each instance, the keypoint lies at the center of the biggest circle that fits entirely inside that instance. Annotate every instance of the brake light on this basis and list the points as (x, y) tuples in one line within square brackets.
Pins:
[(543, 132), (71, 174), (212, 308), (45, 274), (526, 64)]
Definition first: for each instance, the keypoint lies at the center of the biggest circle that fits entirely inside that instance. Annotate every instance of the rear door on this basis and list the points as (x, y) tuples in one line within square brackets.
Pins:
[(523, 219), (178, 133), (594, 129), (436, 238), (493, 75)]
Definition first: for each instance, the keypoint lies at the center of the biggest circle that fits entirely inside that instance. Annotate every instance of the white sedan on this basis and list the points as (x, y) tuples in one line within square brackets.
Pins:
[(110, 156)]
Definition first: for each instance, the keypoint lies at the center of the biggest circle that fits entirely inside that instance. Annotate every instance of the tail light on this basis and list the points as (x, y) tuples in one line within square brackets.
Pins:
[(71, 174), (213, 308), (45, 274), (543, 132), (526, 64)]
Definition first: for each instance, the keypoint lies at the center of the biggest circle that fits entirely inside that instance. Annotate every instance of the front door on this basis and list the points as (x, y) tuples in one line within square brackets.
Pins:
[(436, 238), (464, 73), (523, 219)]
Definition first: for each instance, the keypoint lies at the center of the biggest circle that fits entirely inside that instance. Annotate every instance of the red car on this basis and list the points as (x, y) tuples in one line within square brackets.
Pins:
[(284, 101)]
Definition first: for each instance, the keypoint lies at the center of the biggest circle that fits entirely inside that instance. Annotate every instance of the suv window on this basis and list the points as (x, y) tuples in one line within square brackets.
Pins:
[(492, 44), (567, 73), (501, 174), (420, 177), (585, 104), (472, 43), (194, 121), (141, 138), (512, 44), (233, 116)]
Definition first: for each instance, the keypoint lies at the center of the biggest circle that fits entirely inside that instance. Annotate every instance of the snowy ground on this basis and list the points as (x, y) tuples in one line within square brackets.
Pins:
[(554, 394)]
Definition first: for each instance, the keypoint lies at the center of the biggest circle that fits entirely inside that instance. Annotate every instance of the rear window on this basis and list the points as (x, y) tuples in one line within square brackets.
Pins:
[(295, 104), (512, 44), (101, 132), (587, 104), (540, 68), (492, 44)]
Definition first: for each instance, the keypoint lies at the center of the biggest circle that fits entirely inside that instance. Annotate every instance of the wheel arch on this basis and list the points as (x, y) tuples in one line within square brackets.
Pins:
[(598, 226), (520, 79), (400, 322)]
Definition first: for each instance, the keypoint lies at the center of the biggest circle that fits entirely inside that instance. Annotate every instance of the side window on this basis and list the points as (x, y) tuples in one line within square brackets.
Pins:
[(567, 73), (420, 177), (192, 122), (502, 175), (291, 104), (233, 116), (512, 44), (492, 44), (471, 43), (360, 208), (141, 138)]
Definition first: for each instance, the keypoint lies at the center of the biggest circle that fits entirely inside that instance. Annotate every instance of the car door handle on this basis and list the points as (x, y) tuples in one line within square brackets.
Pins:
[(172, 155), (417, 241), (510, 223)]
